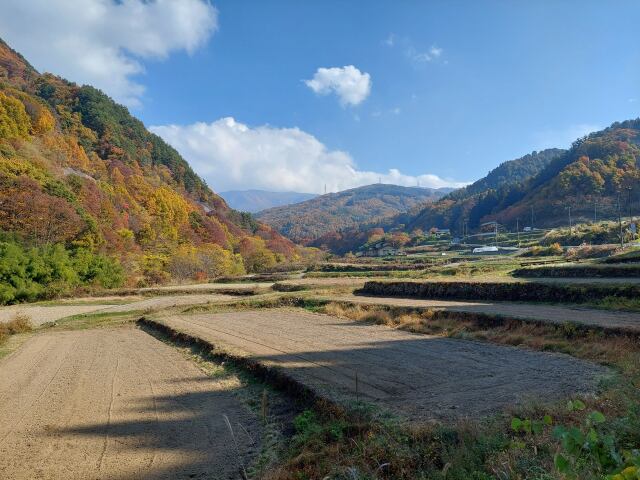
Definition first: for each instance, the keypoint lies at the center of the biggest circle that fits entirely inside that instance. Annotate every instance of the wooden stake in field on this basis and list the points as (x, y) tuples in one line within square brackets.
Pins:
[(263, 406)]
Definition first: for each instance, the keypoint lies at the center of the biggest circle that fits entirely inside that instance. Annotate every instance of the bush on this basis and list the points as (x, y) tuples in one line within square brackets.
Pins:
[(552, 250), (28, 274), (19, 324)]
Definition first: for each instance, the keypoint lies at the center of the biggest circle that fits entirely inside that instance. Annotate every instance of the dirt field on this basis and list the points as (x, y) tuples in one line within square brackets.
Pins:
[(418, 375), (40, 314), (116, 404), (545, 313)]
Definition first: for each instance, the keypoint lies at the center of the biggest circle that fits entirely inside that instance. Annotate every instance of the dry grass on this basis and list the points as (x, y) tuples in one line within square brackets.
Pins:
[(19, 324), (620, 351)]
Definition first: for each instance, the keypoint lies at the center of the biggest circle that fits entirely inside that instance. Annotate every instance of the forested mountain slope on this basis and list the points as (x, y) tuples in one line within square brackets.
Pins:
[(598, 171), (472, 202), (306, 221), (254, 201), (586, 178), (78, 171)]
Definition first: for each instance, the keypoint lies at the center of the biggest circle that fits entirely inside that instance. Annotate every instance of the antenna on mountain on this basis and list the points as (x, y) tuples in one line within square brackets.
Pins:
[(325, 188), (418, 183)]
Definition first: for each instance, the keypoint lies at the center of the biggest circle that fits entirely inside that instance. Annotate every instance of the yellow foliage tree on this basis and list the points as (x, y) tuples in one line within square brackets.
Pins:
[(14, 120)]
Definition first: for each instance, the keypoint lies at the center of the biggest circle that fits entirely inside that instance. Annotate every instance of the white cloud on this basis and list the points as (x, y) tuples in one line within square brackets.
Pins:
[(231, 155), (350, 84), (100, 42)]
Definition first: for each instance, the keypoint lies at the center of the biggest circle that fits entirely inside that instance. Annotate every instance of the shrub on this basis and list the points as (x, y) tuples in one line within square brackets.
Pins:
[(28, 274)]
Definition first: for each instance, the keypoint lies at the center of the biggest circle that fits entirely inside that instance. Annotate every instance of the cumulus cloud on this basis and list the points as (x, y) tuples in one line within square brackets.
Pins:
[(350, 84), (231, 155), (101, 42)]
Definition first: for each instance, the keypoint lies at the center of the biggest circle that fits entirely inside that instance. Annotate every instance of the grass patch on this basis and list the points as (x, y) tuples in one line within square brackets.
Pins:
[(93, 320)]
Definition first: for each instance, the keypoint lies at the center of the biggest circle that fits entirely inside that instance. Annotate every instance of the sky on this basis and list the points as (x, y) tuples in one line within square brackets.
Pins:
[(287, 95)]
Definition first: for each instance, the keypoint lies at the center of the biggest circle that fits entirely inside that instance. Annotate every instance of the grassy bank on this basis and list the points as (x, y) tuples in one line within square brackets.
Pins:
[(580, 271), (501, 291)]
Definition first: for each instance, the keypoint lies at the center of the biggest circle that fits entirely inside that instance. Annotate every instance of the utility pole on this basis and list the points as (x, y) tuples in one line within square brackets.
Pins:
[(620, 221), (629, 202), (570, 225), (518, 230), (595, 211), (531, 217), (496, 233)]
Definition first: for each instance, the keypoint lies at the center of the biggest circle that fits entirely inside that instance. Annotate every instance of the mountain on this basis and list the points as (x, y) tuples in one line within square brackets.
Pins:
[(510, 172), (78, 171), (253, 201), (307, 221), (598, 176), (473, 202)]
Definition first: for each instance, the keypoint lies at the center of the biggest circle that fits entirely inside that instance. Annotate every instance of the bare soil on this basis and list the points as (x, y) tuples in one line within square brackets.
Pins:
[(627, 321), (117, 404), (420, 376)]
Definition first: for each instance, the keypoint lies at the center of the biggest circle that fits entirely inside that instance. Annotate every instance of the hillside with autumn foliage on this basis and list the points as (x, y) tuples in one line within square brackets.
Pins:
[(308, 221), (81, 176), (596, 177)]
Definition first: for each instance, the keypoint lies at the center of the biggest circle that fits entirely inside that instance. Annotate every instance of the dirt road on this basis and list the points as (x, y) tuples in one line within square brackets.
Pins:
[(116, 404), (40, 314), (418, 375), (539, 312)]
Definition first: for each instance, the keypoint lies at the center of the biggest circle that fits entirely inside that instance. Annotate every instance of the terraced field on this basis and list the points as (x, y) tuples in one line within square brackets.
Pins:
[(117, 404), (608, 320), (421, 376)]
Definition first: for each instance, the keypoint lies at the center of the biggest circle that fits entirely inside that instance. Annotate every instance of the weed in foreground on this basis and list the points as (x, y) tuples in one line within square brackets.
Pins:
[(19, 324)]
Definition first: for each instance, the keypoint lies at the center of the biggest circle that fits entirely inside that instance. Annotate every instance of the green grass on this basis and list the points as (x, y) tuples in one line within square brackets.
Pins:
[(93, 320)]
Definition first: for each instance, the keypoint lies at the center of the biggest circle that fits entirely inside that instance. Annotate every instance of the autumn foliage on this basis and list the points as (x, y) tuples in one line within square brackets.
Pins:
[(78, 171)]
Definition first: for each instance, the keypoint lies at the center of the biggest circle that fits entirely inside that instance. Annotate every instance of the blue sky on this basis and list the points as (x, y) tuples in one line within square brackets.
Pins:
[(454, 88)]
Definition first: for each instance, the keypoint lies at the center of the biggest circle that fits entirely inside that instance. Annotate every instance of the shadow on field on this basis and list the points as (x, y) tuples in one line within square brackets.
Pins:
[(417, 376), (189, 438)]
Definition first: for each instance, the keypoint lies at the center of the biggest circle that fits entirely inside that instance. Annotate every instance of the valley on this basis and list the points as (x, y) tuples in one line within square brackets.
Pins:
[(240, 242)]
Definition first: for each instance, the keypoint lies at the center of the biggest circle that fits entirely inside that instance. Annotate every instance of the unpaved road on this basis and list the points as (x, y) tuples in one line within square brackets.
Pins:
[(40, 314), (418, 375), (627, 321), (116, 404)]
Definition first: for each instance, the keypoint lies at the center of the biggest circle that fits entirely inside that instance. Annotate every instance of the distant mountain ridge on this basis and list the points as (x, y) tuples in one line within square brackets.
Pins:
[(254, 201), (309, 220)]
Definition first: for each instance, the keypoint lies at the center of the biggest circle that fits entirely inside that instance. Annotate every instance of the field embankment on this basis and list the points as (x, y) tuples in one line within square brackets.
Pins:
[(580, 271), (502, 291)]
